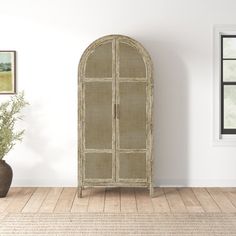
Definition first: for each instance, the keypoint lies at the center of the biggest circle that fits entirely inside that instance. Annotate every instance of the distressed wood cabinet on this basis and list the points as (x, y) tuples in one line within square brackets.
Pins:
[(115, 114)]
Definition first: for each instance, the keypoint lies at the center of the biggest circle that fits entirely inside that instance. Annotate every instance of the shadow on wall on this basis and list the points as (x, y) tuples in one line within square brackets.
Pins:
[(171, 128)]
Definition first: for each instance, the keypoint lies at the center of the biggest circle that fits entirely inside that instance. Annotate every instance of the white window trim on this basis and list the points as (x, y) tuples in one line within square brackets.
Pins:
[(218, 138)]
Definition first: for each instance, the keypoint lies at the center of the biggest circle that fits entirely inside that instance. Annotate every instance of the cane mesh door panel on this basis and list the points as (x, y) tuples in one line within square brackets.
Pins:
[(131, 62), (98, 166), (132, 115), (98, 115), (99, 62), (132, 165)]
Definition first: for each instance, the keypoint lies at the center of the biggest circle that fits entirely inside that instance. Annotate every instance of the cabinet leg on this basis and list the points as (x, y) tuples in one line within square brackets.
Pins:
[(151, 191), (80, 192)]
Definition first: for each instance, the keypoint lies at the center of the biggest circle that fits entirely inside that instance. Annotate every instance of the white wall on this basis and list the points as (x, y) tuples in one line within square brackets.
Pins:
[(50, 36)]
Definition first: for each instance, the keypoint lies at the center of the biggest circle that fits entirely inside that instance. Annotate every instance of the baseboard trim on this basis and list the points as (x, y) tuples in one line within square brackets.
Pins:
[(196, 183), (44, 183), (158, 183)]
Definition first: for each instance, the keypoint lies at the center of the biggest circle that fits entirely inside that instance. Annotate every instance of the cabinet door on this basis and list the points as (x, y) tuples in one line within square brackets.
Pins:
[(115, 110), (131, 120), (99, 126)]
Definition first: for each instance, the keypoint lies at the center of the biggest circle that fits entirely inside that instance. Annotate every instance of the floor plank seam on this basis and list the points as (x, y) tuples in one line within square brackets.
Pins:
[(43, 200), (104, 200), (120, 198), (57, 200), (35, 188), (181, 197), (70, 208), (73, 201), (88, 199), (232, 202), (164, 192), (198, 200), (213, 199), (136, 204)]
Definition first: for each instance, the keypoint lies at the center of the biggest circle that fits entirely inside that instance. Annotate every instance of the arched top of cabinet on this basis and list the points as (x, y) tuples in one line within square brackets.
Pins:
[(115, 56)]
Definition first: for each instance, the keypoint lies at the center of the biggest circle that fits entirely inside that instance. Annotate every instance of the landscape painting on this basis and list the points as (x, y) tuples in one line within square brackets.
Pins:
[(7, 72)]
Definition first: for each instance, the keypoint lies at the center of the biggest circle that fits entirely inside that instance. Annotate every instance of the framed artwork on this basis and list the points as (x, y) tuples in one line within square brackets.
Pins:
[(7, 72)]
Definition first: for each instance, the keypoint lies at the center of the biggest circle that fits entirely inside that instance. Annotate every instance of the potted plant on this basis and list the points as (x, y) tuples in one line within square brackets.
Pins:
[(9, 115)]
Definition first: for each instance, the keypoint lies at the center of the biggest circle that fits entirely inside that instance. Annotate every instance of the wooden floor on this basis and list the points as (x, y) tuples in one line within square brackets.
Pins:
[(119, 200)]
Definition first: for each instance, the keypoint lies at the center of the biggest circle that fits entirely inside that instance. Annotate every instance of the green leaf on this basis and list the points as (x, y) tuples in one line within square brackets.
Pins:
[(10, 113)]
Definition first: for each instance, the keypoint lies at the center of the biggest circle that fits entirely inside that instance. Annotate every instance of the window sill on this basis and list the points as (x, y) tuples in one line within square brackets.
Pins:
[(225, 140)]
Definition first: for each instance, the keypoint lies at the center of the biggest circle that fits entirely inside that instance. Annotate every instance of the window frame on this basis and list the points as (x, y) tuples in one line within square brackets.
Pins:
[(219, 138), (225, 83)]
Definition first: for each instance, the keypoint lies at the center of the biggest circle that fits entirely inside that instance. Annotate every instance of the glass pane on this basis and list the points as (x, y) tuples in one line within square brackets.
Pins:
[(229, 107), (132, 117), (132, 166), (98, 115), (131, 62), (229, 47), (229, 70), (98, 166), (99, 62)]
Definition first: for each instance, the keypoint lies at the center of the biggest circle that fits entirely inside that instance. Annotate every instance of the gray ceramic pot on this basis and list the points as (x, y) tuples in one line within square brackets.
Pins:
[(5, 178)]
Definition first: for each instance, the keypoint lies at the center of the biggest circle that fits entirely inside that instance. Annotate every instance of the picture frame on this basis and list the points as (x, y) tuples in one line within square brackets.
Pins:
[(7, 72)]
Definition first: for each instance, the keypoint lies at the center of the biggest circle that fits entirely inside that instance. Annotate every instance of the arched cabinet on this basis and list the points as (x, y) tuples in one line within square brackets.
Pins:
[(115, 114)]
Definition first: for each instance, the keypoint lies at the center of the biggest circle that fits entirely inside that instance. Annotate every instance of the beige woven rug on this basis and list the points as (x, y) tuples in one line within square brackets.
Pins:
[(118, 224)]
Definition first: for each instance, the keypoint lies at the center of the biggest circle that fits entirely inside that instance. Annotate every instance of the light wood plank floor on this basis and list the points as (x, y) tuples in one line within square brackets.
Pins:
[(119, 200)]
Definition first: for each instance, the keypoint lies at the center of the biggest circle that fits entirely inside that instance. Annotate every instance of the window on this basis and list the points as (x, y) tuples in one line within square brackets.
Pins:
[(228, 84), (224, 85)]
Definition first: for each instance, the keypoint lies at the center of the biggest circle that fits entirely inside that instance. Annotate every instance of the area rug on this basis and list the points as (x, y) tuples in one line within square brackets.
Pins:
[(118, 224)]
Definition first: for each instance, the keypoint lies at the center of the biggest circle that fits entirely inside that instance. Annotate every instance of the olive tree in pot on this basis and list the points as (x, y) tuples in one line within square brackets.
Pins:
[(9, 115)]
